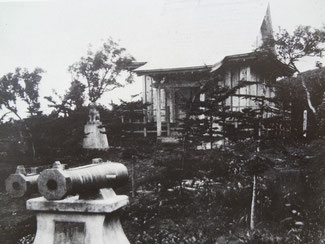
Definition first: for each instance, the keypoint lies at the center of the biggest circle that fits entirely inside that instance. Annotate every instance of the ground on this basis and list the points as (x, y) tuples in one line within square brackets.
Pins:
[(197, 210)]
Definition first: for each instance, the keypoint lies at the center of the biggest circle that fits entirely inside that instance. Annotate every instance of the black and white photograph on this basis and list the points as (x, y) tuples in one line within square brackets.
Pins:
[(162, 122)]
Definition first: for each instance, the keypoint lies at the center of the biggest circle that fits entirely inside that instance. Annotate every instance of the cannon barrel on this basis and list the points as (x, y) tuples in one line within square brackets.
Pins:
[(21, 184), (56, 183)]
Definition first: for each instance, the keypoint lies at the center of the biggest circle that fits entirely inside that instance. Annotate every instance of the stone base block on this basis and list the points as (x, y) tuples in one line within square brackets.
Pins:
[(95, 137), (76, 221)]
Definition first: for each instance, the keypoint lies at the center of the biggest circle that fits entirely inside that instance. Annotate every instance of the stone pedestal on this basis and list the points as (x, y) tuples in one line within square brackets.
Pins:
[(95, 137), (77, 221)]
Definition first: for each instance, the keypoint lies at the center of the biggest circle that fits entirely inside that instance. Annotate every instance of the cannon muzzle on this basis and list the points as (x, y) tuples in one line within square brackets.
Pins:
[(21, 184), (57, 183)]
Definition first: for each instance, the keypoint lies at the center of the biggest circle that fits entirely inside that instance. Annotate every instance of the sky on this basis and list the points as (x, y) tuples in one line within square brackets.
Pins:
[(53, 34)]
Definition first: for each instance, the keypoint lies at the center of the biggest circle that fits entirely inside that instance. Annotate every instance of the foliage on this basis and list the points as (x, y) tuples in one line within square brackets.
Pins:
[(9, 88), (291, 100), (289, 205), (73, 99), (306, 91), (45, 144), (101, 69), (31, 89), (125, 126), (214, 207), (52, 145), (191, 217), (208, 120), (303, 42), (20, 85)]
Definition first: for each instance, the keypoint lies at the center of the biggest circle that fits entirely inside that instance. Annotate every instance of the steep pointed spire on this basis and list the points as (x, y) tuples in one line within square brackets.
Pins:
[(266, 32), (266, 27)]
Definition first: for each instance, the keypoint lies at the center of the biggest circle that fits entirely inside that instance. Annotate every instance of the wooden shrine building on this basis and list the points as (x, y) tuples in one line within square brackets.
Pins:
[(166, 89)]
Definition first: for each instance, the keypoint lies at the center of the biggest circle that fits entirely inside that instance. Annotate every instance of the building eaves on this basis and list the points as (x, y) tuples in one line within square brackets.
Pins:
[(190, 69)]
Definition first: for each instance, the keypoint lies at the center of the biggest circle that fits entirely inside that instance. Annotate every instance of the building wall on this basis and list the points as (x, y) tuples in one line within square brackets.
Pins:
[(231, 79), (257, 87), (149, 95)]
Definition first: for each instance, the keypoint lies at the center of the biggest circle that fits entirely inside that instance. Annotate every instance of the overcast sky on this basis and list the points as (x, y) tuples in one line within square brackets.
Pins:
[(55, 34)]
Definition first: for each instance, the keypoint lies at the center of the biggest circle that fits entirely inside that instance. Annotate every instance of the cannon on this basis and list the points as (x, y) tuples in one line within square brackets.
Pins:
[(20, 183), (57, 183)]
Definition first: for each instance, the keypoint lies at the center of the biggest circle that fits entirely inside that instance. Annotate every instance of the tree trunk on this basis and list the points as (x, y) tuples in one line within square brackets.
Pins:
[(33, 150), (259, 135), (310, 105), (32, 145), (133, 177), (252, 217), (211, 132)]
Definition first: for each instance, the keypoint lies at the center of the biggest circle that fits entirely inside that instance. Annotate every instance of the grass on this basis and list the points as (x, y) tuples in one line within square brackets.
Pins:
[(161, 212)]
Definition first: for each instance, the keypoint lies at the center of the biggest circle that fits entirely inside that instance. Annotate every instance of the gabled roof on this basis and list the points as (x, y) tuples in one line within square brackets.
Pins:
[(134, 65), (237, 57), (267, 63), (260, 60)]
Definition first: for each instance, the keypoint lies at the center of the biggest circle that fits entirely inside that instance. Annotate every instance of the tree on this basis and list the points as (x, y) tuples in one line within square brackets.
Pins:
[(291, 100), (73, 99), (210, 120), (124, 122), (303, 42), (31, 90), (101, 69), (10, 90), (294, 95), (20, 85)]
